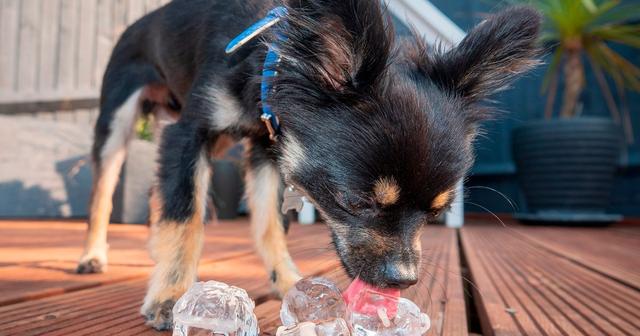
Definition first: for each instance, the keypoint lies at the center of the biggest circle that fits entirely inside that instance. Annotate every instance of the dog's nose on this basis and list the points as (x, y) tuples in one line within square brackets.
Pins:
[(400, 275)]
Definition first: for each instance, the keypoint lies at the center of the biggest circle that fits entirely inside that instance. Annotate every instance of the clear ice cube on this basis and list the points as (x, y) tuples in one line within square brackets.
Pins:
[(214, 308), (370, 319), (335, 327), (312, 300)]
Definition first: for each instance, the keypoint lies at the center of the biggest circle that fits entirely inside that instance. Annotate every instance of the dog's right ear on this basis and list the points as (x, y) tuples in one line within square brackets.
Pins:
[(338, 45), (489, 57)]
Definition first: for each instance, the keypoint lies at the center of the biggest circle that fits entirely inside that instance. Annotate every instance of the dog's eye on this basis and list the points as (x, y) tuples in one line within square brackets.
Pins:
[(356, 205), (436, 213)]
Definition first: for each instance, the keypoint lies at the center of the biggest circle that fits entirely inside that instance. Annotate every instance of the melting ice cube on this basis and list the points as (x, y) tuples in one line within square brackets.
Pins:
[(335, 327), (214, 308), (369, 317), (312, 300)]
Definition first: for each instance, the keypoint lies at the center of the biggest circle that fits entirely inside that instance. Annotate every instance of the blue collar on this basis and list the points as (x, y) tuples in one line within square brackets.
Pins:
[(269, 69)]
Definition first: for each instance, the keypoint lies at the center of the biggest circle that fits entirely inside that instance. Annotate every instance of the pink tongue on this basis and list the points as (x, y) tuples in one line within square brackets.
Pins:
[(367, 299)]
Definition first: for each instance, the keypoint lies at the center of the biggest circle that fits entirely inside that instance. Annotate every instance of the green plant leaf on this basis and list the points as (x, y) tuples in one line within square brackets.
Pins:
[(588, 27), (553, 68), (590, 5), (619, 14), (619, 68), (624, 34)]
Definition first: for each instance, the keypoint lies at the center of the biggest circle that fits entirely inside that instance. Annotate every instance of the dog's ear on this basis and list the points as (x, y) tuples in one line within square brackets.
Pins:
[(489, 57), (339, 45)]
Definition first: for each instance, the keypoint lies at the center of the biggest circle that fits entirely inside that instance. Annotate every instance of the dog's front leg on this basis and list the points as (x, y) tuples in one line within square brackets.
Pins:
[(263, 190), (177, 228)]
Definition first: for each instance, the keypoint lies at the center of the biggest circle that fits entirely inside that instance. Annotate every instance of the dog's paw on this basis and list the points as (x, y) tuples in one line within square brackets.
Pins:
[(282, 284), (93, 260), (159, 315), (91, 265)]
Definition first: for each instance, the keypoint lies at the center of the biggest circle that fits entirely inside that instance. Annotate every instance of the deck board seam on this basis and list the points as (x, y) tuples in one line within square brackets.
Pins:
[(71, 310), (443, 305), (593, 307), (578, 262), (467, 239), (511, 287), (523, 283), (581, 302)]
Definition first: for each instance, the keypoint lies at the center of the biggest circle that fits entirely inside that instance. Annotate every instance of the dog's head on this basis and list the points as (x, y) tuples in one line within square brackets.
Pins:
[(377, 132)]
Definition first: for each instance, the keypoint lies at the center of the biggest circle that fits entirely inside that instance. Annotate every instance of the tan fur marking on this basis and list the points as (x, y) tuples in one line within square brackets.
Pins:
[(386, 191), (263, 186), (441, 200), (222, 145), (176, 247), (106, 178)]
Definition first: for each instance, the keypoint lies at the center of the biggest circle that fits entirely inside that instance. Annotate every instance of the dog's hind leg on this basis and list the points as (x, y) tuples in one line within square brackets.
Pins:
[(112, 133), (120, 106), (178, 210), (264, 184)]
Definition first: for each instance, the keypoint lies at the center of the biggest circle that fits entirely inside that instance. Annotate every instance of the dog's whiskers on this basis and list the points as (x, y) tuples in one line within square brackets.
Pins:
[(513, 206)]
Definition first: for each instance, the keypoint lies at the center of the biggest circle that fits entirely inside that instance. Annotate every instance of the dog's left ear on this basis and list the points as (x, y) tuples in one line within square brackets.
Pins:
[(341, 46), (490, 56)]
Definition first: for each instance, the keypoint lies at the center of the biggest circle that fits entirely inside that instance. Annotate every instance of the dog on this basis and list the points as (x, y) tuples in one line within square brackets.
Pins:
[(374, 129)]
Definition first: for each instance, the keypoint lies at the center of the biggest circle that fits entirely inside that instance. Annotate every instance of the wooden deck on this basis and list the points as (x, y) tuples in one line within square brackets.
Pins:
[(495, 281)]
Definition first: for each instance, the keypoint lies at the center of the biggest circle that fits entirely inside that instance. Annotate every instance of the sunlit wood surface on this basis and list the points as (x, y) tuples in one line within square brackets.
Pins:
[(484, 278)]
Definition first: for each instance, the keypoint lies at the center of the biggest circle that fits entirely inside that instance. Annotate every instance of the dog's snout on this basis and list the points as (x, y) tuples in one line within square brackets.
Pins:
[(400, 275)]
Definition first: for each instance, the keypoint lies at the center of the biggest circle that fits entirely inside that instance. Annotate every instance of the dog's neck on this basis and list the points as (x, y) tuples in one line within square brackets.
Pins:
[(269, 68)]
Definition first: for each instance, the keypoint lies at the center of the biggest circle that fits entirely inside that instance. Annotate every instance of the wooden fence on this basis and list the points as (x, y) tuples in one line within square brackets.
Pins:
[(53, 52)]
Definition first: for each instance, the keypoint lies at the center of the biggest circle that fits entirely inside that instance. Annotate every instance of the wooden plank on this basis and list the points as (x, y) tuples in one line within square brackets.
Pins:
[(87, 31), (135, 10), (48, 44), (49, 250), (455, 312), (610, 254), (151, 5), (40, 257), (534, 291), (104, 40), (120, 17), (28, 45), (112, 309), (66, 69), (440, 292), (9, 24), (268, 317), (21, 283)]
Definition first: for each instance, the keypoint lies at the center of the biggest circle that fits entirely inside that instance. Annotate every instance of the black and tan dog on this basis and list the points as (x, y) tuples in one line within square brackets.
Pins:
[(375, 130)]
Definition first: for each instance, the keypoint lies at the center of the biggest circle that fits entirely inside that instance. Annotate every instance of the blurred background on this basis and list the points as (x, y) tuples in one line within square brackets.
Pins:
[(564, 147)]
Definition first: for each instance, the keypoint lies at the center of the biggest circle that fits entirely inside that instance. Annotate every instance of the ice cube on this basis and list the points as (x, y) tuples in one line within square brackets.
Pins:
[(335, 327), (368, 316), (312, 300), (214, 308)]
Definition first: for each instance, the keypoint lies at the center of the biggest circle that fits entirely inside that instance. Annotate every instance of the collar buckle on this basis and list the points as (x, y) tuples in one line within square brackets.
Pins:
[(271, 122)]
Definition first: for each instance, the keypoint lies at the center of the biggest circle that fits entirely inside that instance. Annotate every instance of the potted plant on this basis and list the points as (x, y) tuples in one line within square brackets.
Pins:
[(567, 163)]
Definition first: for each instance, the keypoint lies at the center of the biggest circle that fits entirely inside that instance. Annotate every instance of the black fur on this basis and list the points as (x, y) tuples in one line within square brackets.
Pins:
[(360, 104)]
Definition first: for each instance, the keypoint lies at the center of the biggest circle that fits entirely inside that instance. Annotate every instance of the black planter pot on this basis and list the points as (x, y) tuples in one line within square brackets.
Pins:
[(566, 169)]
